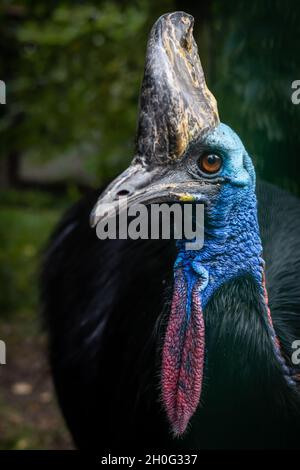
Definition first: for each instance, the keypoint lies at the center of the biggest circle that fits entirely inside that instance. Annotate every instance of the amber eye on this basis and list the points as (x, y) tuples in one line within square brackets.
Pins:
[(210, 163)]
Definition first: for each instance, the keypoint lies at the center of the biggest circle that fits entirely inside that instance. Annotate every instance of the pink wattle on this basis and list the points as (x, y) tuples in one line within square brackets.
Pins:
[(266, 299), (183, 356)]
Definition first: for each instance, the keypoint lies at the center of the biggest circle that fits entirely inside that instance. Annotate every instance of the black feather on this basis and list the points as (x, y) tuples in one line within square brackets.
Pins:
[(105, 304)]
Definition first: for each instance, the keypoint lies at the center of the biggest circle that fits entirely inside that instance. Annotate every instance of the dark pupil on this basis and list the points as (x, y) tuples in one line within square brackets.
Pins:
[(212, 159)]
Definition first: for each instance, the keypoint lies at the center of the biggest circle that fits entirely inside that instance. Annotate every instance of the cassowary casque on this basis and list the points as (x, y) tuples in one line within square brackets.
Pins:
[(155, 345)]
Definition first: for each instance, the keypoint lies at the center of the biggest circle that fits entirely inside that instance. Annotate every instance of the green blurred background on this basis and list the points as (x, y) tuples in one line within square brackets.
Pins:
[(72, 71)]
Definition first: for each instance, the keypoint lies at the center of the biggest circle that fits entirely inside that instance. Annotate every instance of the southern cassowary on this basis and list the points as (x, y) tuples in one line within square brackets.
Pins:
[(151, 344)]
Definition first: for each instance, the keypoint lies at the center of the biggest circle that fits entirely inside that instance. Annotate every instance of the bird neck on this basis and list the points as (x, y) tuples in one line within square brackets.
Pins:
[(232, 247), (232, 251)]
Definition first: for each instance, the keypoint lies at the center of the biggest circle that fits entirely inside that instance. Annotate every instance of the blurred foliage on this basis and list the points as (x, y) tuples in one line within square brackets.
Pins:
[(257, 59), (37, 199), (23, 233), (29, 415), (76, 78), (73, 71)]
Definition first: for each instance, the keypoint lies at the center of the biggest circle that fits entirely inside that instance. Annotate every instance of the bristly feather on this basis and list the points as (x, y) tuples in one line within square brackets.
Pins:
[(232, 249), (245, 391), (98, 305)]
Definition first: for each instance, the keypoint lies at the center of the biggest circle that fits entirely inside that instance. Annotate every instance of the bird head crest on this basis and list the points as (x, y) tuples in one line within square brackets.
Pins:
[(176, 106)]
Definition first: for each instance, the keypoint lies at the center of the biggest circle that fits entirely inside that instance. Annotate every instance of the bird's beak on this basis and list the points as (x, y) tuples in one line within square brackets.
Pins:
[(176, 109), (139, 185)]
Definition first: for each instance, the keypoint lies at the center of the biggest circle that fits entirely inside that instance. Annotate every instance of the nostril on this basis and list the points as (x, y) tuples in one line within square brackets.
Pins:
[(123, 192)]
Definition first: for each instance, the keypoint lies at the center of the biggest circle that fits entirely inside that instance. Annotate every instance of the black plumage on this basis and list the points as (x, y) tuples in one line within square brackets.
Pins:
[(106, 303)]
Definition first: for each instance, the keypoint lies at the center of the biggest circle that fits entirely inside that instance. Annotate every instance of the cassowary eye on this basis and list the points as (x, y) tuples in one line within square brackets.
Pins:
[(210, 163)]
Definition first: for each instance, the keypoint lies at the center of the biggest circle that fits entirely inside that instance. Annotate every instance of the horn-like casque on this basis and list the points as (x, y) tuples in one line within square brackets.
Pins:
[(176, 108), (175, 103)]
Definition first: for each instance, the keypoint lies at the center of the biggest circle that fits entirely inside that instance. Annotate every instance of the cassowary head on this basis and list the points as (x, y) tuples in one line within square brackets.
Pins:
[(183, 153)]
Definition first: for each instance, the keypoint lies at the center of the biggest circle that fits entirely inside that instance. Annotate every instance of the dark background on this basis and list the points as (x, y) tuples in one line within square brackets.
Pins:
[(72, 71)]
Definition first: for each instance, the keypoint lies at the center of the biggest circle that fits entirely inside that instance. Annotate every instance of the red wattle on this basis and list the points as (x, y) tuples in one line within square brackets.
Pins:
[(183, 356), (266, 298)]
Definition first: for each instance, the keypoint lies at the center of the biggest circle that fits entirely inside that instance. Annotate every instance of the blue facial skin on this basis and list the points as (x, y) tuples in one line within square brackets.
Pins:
[(232, 245)]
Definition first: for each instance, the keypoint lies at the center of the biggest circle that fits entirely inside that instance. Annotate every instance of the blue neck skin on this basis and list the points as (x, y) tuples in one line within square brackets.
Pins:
[(232, 245)]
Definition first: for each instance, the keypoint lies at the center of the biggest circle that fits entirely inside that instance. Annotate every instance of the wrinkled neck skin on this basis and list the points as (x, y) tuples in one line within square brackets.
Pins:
[(232, 246), (232, 249)]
